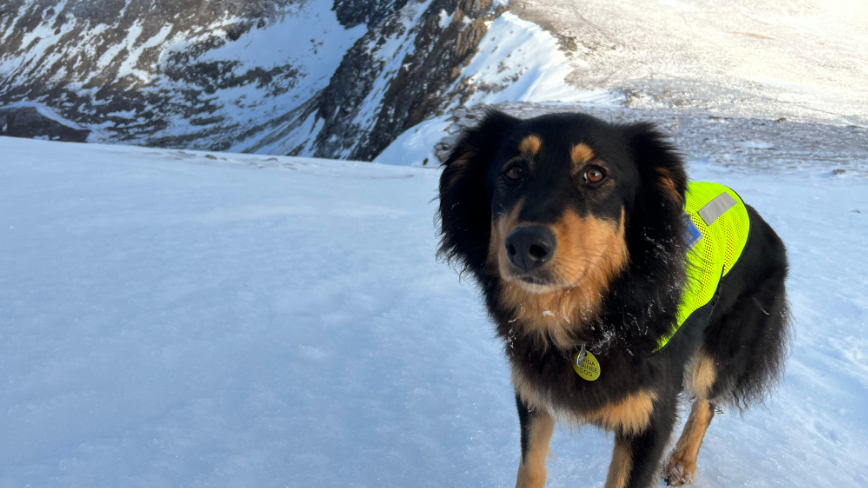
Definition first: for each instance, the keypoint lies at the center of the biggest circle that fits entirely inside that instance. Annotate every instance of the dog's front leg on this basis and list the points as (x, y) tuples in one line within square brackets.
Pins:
[(637, 455), (537, 427)]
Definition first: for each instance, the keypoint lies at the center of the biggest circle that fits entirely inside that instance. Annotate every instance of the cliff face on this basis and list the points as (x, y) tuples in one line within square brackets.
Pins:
[(397, 75), (328, 78)]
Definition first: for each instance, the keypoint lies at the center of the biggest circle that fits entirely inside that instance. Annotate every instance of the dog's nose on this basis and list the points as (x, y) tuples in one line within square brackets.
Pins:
[(530, 247)]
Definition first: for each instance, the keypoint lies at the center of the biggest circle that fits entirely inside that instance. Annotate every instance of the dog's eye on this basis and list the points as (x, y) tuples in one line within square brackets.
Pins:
[(514, 173), (594, 175)]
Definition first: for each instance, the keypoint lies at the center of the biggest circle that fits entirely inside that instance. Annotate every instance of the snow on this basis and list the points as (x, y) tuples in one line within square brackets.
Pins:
[(445, 19), (415, 145), (308, 38), (135, 51), (304, 39), (804, 60), (315, 27), (518, 60), (127, 44), (391, 54), (179, 318)]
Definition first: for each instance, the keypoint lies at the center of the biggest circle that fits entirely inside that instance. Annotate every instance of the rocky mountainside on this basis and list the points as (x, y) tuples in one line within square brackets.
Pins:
[(348, 78), (326, 78)]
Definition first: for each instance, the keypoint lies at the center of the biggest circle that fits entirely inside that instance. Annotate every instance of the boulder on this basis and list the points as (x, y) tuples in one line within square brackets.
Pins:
[(33, 122)]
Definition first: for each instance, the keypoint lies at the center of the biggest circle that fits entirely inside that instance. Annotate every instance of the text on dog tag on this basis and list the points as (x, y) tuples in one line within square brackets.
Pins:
[(588, 368)]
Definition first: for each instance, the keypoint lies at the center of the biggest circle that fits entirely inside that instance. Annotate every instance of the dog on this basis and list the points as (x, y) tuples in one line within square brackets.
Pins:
[(615, 285)]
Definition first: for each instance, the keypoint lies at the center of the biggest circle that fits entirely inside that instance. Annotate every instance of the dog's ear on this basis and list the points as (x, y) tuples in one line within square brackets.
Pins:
[(465, 202), (658, 161), (658, 214)]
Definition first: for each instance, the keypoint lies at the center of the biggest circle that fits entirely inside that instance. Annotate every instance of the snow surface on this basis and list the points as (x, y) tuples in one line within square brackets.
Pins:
[(804, 60), (177, 318), (519, 61), (415, 146)]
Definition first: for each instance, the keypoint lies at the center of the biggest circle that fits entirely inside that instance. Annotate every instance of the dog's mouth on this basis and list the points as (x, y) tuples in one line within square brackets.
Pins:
[(536, 280), (539, 282)]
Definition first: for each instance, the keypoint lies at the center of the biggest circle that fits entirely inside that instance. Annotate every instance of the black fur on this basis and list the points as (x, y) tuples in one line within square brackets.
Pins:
[(746, 334)]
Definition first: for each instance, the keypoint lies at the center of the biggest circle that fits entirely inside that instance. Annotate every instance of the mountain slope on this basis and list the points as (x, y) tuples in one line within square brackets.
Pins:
[(804, 60), (346, 78), (298, 76)]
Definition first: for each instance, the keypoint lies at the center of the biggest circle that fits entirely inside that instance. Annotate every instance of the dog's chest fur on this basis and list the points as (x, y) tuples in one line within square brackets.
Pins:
[(596, 403)]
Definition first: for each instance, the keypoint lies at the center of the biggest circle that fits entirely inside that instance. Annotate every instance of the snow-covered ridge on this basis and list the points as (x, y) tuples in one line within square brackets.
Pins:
[(804, 60), (333, 78), (189, 73), (311, 77)]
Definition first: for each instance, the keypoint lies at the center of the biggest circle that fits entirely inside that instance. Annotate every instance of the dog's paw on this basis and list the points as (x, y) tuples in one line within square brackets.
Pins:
[(678, 473)]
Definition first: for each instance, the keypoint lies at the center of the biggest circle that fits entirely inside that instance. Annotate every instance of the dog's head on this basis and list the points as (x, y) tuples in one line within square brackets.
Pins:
[(557, 204)]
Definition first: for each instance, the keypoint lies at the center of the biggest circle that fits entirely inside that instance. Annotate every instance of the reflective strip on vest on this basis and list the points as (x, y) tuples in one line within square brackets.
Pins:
[(721, 219), (715, 208)]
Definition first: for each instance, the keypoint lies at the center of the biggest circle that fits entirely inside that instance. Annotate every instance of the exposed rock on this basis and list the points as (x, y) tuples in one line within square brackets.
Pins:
[(29, 121), (351, 13), (180, 73), (415, 85)]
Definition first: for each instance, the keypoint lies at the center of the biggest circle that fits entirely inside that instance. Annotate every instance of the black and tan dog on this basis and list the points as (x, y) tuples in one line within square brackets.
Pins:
[(575, 230)]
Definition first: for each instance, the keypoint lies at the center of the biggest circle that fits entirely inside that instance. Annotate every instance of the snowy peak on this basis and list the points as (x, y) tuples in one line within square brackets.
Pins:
[(336, 79), (183, 73), (345, 79)]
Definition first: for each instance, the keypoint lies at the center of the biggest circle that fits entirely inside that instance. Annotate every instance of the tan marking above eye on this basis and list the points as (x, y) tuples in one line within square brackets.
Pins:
[(582, 153), (530, 144)]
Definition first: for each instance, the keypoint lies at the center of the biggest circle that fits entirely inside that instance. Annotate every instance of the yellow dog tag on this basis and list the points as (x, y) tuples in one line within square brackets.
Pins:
[(586, 365)]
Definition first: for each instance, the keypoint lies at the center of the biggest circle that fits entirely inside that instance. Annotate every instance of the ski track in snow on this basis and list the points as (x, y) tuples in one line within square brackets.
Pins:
[(177, 318)]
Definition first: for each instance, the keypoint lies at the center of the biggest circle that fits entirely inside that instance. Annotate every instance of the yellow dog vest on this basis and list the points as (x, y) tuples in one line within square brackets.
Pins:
[(718, 227)]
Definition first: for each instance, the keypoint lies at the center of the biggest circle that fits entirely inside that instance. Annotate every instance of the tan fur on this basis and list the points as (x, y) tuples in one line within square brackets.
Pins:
[(622, 463), (629, 416), (632, 415), (681, 466), (701, 373), (581, 154), (532, 468), (531, 396), (460, 166), (501, 226), (530, 144), (667, 184), (590, 252)]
